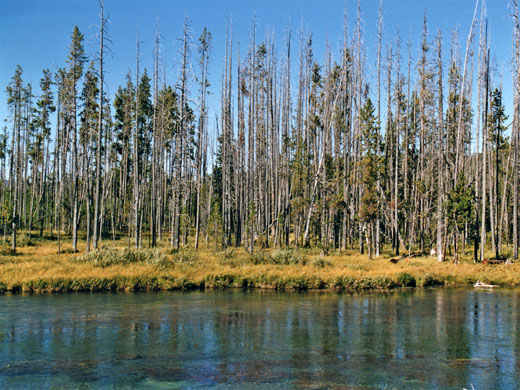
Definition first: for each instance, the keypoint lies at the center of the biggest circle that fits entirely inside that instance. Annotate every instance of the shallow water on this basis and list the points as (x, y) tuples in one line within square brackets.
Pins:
[(427, 339)]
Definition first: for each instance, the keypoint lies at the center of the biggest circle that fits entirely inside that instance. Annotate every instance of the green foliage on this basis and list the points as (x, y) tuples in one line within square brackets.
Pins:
[(40, 127), (430, 281), (168, 103), (456, 108), (144, 119), (89, 105), (215, 227), (370, 164), (370, 135), (496, 120), (369, 209), (353, 284), (25, 240), (123, 119), (259, 258), (76, 57), (459, 205), (406, 280), (205, 43), (5, 213)]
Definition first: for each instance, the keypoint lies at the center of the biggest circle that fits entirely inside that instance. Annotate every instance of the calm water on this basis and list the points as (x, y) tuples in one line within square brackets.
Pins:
[(438, 339)]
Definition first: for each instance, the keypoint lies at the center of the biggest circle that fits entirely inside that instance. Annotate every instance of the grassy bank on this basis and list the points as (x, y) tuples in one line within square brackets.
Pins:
[(38, 267)]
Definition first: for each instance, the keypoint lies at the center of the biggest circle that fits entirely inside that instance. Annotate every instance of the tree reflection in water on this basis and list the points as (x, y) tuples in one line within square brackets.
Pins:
[(424, 339)]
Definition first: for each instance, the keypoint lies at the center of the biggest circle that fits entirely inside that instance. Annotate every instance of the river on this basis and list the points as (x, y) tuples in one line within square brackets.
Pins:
[(422, 339)]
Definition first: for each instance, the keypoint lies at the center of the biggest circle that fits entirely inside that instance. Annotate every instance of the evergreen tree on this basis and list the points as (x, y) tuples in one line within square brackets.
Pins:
[(370, 167), (76, 60), (459, 206)]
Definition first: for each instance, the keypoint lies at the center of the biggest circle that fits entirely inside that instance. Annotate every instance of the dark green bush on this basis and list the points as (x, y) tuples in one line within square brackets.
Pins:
[(25, 240), (428, 281), (351, 284), (406, 280), (220, 281)]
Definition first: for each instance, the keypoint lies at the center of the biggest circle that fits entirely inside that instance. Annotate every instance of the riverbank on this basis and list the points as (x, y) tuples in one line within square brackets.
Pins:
[(38, 268)]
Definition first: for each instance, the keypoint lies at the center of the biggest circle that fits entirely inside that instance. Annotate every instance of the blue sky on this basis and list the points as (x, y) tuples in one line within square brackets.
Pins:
[(36, 33)]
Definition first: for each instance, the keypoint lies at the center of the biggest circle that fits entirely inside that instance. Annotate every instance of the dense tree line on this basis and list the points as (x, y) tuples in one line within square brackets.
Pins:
[(301, 155)]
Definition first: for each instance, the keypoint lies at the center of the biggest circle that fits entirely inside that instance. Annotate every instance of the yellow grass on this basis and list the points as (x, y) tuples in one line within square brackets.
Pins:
[(39, 268)]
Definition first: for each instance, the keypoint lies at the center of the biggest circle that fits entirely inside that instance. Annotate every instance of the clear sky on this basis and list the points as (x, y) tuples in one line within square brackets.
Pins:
[(36, 33)]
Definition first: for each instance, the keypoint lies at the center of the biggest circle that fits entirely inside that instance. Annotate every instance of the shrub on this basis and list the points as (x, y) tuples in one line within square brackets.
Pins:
[(66, 250), (259, 258), (406, 280), (352, 284), (233, 262), (320, 262), (228, 257), (428, 281), (104, 257), (25, 240), (278, 257), (227, 254), (7, 251), (285, 257), (220, 281), (186, 258)]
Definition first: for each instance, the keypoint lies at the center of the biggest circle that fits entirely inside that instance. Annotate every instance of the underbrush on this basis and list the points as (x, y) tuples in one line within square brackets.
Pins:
[(33, 240), (65, 251), (26, 240), (40, 269), (185, 257), (320, 262), (406, 280), (105, 257), (6, 251), (101, 284), (278, 257)]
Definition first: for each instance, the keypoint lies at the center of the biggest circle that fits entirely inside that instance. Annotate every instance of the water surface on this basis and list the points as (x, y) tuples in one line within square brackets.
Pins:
[(428, 339)]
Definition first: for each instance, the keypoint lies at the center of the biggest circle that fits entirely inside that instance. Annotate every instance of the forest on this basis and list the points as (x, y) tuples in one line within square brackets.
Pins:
[(301, 154)]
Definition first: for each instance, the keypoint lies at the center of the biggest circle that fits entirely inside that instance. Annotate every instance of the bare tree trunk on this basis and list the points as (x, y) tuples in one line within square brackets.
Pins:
[(136, 151), (99, 128), (205, 42), (484, 157), (516, 124), (459, 155), (440, 157), (378, 185)]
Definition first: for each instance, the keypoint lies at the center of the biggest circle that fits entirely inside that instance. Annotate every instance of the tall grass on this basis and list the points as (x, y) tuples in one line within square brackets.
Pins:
[(106, 257), (116, 267), (279, 257)]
